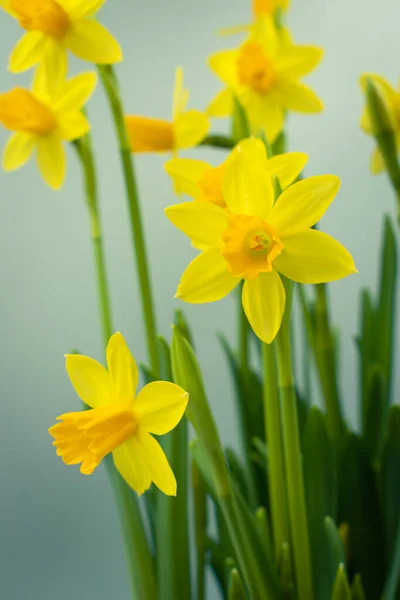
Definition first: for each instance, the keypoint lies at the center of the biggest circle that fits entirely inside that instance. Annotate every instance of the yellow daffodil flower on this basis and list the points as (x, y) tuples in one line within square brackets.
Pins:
[(392, 101), (186, 130), (264, 73), (256, 240), (42, 119), (203, 182), (260, 8), (55, 26), (119, 422)]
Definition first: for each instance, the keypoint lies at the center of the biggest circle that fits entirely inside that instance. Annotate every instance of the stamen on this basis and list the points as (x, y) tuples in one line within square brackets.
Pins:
[(46, 16)]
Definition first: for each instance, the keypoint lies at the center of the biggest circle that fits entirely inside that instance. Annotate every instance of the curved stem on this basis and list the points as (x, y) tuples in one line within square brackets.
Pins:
[(218, 141), (112, 90), (139, 560), (293, 462)]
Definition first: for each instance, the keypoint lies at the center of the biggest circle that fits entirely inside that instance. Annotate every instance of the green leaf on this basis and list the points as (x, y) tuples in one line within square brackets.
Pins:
[(216, 558), (320, 479), (376, 411), (286, 572), (237, 472), (357, 590), (183, 326), (165, 359), (367, 348), (360, 508), (341, 588), (387, 303), (236, 590), (200, 526), (335, 546), (240, 124), (264, 531)]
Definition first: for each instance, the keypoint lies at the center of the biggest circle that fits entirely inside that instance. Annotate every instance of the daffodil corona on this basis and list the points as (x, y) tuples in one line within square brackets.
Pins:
[(256, 239), (264, 73), (391, 97), (186, 130), (203, 182), (119, 422), (42, 119), (55, 26)]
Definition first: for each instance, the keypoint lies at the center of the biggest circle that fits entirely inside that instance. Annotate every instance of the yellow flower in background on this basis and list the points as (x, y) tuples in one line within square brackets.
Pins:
[(391, 97), (55, 26), (42, 119), (119, 422), (264, 74), (256, 240), (268, 7), (186, 130), (203, 182)]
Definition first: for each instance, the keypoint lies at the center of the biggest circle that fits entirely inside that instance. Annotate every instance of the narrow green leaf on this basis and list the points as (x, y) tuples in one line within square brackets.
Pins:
[(376, 411), (286, 572), (335, 546), (147, 374), (240, 124), (183, 326), (360, 507), (320, 479), (357, 590), (165, 359), (216, 559), (236, 590), (341, 588), (367, 348), (264, 531), (237, 472), (200, 526)]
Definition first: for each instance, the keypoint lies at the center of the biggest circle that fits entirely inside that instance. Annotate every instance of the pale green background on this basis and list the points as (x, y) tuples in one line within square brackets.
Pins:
[(59, 534)]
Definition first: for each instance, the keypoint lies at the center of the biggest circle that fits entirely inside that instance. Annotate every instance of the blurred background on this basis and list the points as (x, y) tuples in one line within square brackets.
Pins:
[(59, 534)]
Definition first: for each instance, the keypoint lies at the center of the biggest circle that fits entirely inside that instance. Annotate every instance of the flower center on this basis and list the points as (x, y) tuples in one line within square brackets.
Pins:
[(210, 186), (250, 245), (149, 135), (87, 436), (255, 69), (262, 7), (46, 16), (21, 111)]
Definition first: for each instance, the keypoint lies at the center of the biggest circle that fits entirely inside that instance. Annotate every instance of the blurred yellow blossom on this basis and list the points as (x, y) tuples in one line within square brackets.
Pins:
[(264, 74), (187, 128), (391, 97), (119, 422), (203, 182), (55, 26), (256, 240), (42, 119)]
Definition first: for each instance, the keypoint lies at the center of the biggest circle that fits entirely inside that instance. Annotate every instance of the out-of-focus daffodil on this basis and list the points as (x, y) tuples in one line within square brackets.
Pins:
[(55, 26), (264, 74), (43, 119), (203, 182), (119, 422), (187, 128), (255, 239), (391, 97), (260, 8)]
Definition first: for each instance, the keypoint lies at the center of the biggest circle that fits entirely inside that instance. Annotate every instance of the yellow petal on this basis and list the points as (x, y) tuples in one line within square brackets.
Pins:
[(155, 462), (122, 368), (206, 279), (247, 186), (180, 96), (264, 32), (221, 105), (204, 223), (314, 257), (377, 162), (286, 167), (264, 303), (130, 465), (91, 41), (90, 380), (365, 121), (149, 135), (224, 65), (5, 5), (264, 115), (186, 173), (235, 29), (75, 92), (303, 204), (296, 96), (298, 61), (73, 125), (79, 9), (160, 406), (51, 160), (28, 52), (190, 128), (18, 150), (51, 72)]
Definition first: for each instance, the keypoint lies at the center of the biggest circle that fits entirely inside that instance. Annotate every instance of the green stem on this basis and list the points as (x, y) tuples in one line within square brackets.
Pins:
[(293, 461), (139, 561), (326, 363), (111, 87), (243, 337), (218, 141), (276, 469)]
